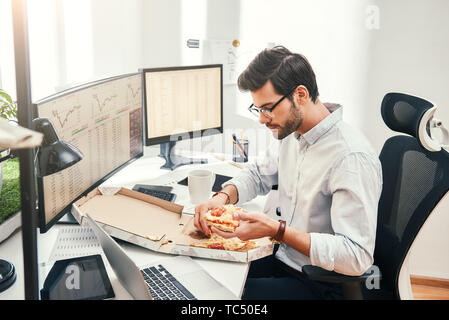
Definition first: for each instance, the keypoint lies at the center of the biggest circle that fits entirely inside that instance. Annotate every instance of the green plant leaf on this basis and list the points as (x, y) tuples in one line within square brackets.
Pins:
[(8, 108), (6, 96)]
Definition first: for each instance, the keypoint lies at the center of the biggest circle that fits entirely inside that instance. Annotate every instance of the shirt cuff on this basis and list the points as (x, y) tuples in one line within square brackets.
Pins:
[(242, 191), (322, 251)]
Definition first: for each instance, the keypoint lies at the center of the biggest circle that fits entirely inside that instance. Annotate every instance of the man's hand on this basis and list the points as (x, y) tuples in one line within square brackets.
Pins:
[(229, 194), (253, 225), (201, 211)]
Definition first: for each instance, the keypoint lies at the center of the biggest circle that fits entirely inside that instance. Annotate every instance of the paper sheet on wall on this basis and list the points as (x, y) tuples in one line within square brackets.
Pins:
[(222, 51), (234, 58)]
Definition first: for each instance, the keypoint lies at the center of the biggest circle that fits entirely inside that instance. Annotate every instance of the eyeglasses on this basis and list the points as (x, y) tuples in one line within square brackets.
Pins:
[(267, 112)]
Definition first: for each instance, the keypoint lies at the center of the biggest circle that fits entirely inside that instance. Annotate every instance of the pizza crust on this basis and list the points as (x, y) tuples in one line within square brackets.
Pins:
[(220, 243)]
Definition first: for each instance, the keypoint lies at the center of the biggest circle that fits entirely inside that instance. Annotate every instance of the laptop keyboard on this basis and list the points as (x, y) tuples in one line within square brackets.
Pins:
[(168, 196), (163, 286)]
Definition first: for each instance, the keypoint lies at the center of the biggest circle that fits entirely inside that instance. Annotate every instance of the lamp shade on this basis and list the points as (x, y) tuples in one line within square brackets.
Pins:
[(54, 155)]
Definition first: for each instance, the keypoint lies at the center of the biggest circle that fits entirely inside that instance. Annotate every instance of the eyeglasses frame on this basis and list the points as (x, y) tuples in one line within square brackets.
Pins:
[(263, 110)]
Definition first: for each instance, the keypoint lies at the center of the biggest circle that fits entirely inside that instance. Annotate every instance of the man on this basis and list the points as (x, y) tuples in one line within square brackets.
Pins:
[(329, 181)]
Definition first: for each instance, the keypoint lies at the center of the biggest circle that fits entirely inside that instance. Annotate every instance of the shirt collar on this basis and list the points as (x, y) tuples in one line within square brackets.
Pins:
[(321, 128)]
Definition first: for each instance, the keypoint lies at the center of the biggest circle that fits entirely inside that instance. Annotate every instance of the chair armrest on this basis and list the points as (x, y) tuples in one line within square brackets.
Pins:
[(319, 274)]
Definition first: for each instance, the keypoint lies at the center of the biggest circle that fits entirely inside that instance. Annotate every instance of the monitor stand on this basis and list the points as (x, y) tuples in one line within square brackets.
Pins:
[(68, 218), (173, 161)]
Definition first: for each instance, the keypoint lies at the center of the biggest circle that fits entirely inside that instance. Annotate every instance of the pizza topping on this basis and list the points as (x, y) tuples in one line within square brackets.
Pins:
[(216, 245), (217, 212), (223, 217)]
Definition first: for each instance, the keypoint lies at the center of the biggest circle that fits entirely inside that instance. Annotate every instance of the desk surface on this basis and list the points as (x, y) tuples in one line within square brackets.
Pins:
[(143, 171)]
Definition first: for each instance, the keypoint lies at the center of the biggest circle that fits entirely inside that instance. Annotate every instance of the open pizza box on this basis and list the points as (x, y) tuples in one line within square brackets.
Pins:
[(155, 224)]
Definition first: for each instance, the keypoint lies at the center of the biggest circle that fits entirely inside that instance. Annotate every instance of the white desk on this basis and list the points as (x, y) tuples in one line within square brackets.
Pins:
[(144, 171)]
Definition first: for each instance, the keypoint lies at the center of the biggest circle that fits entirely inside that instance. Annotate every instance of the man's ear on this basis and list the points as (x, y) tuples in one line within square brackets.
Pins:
[(301, 95)]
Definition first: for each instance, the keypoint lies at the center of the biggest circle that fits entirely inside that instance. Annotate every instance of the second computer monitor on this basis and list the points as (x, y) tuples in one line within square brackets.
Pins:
[(179, 102)]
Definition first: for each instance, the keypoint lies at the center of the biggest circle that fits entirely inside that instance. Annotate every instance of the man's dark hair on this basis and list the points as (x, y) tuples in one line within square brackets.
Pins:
[(285, 69)]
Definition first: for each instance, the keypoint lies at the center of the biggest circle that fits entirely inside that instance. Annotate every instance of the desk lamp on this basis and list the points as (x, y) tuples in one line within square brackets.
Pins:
[(53, 155)]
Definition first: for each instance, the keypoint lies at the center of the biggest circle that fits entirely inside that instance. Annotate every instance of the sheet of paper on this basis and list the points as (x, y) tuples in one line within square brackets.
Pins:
[(17, 137)]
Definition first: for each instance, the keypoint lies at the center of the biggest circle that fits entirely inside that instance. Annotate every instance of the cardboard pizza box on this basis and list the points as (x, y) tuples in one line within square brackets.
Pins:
[(154, 224)]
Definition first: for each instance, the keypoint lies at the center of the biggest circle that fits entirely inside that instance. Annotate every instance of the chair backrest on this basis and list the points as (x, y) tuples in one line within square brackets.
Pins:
[(414, 181)]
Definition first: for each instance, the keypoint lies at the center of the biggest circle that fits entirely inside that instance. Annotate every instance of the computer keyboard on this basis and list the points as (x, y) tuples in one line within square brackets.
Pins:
[(163, 286), (164, 195)]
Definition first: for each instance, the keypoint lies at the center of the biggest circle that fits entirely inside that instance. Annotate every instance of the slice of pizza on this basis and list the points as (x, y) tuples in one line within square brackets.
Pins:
[(223, 218), (220, 243)]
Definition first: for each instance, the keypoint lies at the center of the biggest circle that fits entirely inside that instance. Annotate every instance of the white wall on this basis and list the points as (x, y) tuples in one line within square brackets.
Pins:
[(331, 34), (117, 36), (409, 53), (161, 24), (74, 42), (7, 67), (43, 46)]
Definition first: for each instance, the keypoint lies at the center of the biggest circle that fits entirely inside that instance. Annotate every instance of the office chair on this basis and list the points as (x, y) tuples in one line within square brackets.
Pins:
[(415, 178)]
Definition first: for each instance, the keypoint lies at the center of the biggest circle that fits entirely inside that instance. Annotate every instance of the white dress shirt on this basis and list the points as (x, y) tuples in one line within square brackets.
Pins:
[(330, 181)]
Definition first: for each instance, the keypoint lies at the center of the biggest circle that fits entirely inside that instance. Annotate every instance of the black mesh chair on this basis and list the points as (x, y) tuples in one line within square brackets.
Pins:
[(415, 178)]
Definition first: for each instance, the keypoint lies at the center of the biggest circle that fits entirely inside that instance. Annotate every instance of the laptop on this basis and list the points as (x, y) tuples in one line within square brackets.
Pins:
[(173, 278)]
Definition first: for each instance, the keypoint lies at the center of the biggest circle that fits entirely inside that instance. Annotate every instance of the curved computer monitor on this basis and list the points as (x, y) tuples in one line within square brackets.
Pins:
[(180, 102), (104, 120)]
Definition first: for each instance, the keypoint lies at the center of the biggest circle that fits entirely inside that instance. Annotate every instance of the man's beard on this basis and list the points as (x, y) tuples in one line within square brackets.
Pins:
[(293, 123)]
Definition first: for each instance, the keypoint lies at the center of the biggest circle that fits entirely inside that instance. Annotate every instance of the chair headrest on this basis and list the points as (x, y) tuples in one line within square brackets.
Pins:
[(414, 116)]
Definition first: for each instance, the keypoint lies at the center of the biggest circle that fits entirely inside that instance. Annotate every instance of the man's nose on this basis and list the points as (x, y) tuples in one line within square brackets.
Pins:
[(263, 119)]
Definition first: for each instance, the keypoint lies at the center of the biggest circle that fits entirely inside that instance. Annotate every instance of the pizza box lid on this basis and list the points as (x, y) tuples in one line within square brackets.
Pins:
[(154, 224)]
